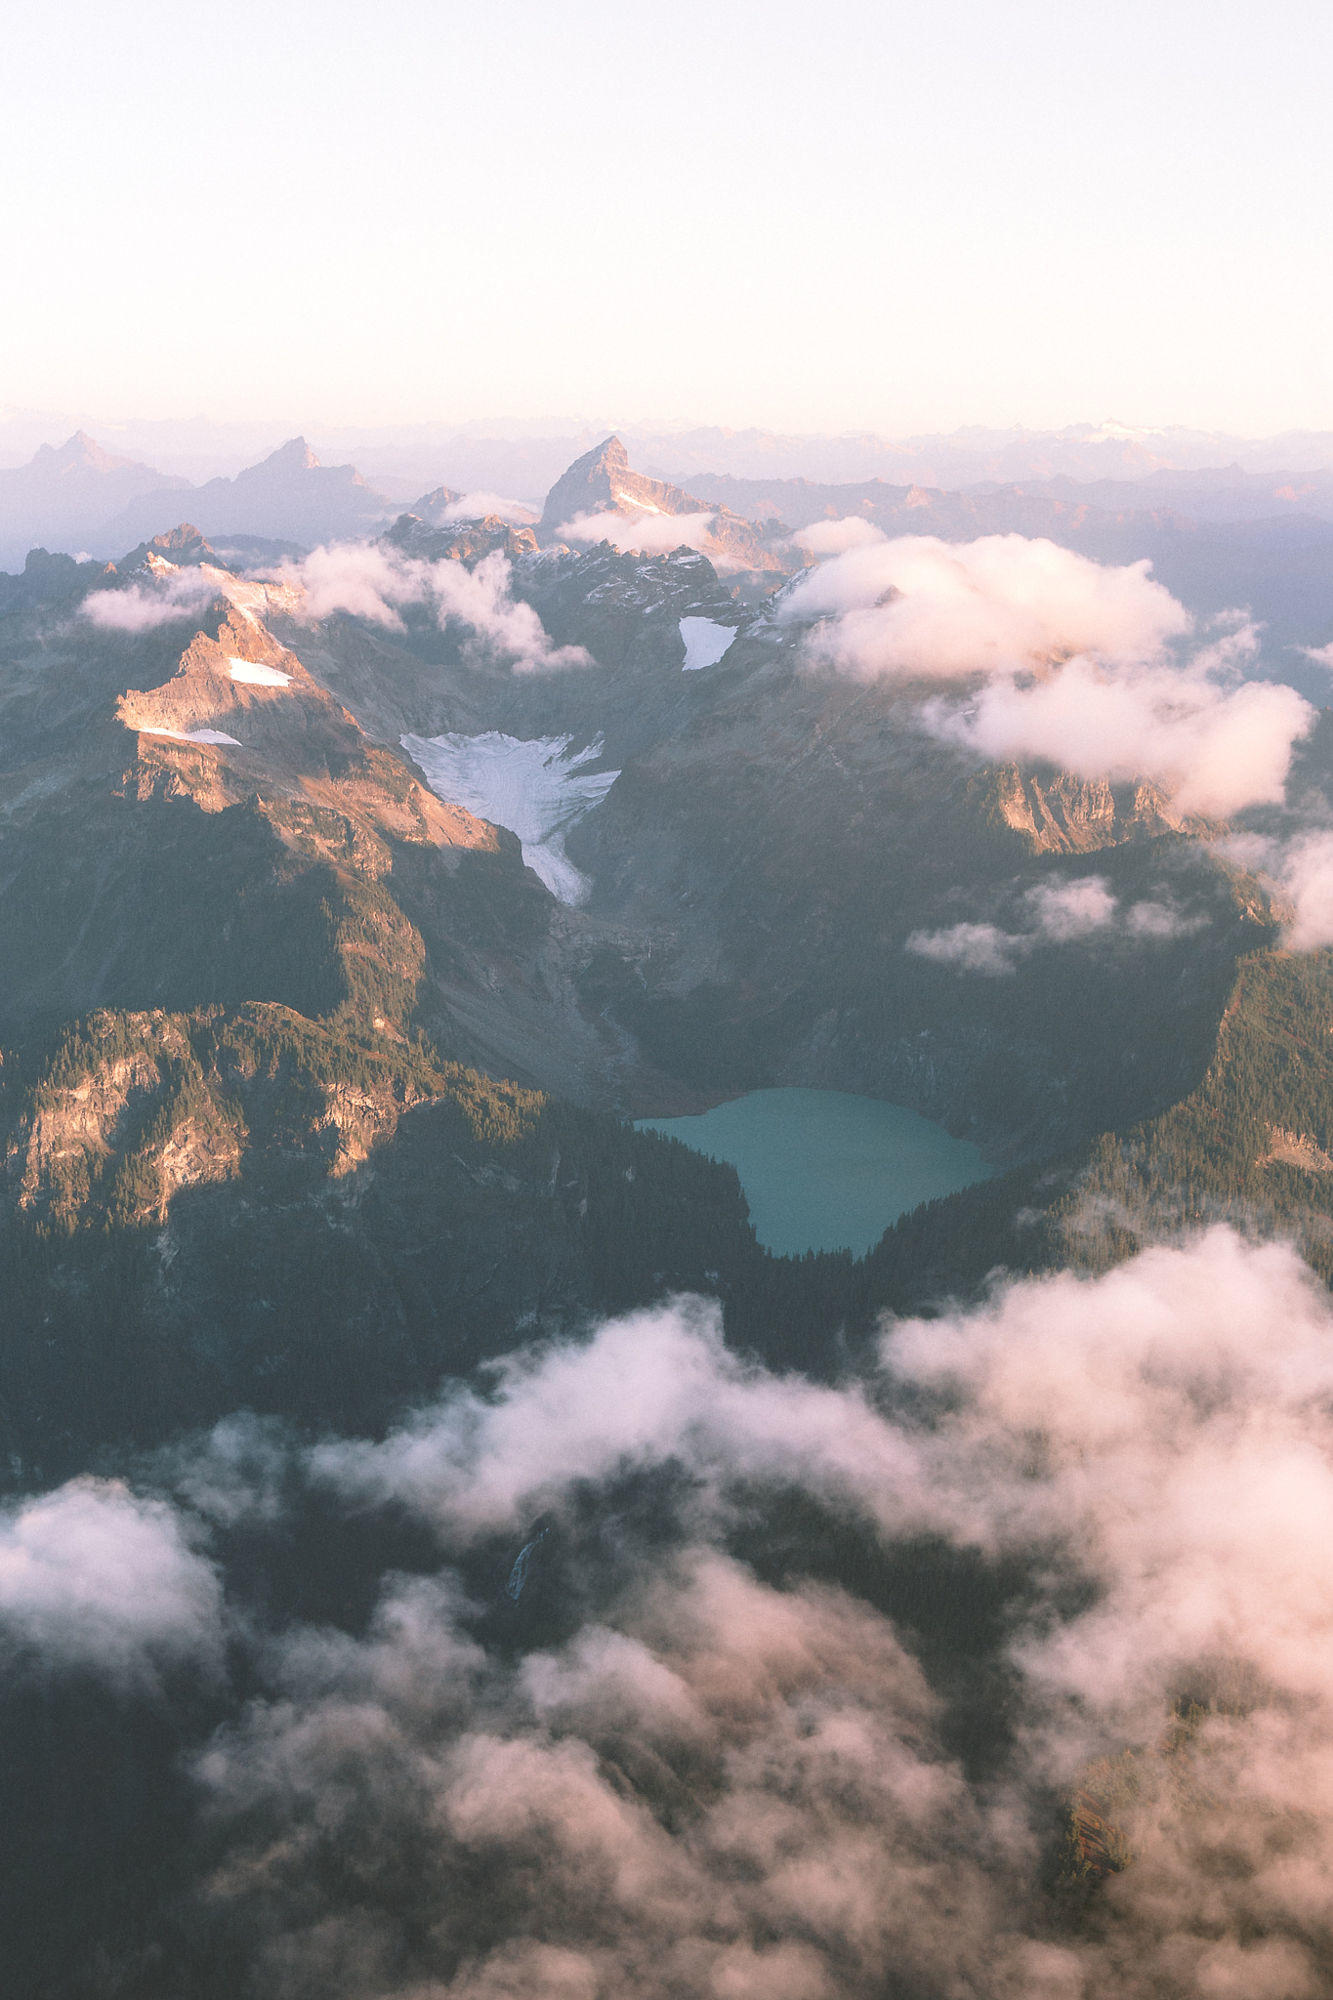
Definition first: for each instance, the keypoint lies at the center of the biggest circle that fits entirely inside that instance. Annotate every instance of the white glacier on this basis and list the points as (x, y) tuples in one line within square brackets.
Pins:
[(705, 642), (533, 785)]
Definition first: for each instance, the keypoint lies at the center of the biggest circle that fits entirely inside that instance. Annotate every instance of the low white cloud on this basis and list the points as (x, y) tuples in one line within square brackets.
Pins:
[(366, 580), (649, 1386), (983, 948), (1066, 911), (652, 534), (480, 506), (94, 1576), (142, 607), (1002, 604), (1321, 655), (1306, 879), (1214, 749), (1299, 871), (834, 538), (1072, 662), (162, 593)]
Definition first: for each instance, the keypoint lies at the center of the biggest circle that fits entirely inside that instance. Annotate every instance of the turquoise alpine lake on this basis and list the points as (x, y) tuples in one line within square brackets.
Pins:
[(824, 1170)]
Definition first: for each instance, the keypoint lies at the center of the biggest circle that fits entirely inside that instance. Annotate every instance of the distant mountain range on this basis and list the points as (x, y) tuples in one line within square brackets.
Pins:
[(79, 498), (524, 459), (1218, 537)]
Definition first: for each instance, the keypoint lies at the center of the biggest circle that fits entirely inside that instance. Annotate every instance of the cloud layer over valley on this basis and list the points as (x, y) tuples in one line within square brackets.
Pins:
[(1004, 1672)]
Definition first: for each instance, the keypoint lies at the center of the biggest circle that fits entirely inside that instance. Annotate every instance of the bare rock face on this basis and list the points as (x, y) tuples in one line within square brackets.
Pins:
[(1062, 814), (241, 716)]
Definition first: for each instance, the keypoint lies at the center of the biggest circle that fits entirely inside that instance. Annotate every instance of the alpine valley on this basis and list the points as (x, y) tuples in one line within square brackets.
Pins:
[(516, 1580)]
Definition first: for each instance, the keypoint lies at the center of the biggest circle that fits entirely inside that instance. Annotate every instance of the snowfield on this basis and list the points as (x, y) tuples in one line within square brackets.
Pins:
[(705, 642), (535, 786), (195, 736), (257, 676)]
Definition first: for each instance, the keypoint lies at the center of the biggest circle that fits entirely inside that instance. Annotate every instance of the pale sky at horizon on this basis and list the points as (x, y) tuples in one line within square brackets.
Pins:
[(857, 216)]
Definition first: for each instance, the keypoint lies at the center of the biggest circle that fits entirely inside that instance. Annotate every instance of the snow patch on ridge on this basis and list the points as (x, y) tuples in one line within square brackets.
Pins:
[(194, 736), (257, 675), (705, 642), (534, 786)]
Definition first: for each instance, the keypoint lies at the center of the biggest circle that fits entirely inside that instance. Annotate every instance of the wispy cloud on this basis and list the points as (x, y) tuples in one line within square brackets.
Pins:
[(478, 506), (366, 580), (1066, 911), (142, 607), (1298, 868)]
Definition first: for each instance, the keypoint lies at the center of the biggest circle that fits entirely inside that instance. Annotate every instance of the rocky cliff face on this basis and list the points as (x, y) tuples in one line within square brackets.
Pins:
[(1061, 814)]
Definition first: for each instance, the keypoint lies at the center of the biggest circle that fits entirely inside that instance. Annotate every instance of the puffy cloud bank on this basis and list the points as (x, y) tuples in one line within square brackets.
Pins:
[(834, 538), (94, 1576), (1071, 662), (368, 581), (946, 610), (1008, 1673), (1058, 912)]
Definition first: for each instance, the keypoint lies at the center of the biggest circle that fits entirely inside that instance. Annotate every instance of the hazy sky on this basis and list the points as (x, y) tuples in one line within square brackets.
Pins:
[(747, 211)]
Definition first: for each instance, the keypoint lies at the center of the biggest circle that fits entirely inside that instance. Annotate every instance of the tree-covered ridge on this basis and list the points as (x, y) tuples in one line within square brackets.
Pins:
[(248, 1208), (1248, 1145)]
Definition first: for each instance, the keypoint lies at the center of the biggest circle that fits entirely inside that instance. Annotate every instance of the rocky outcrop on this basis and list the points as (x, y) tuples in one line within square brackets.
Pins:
[(459, 541), (1061, 814)]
